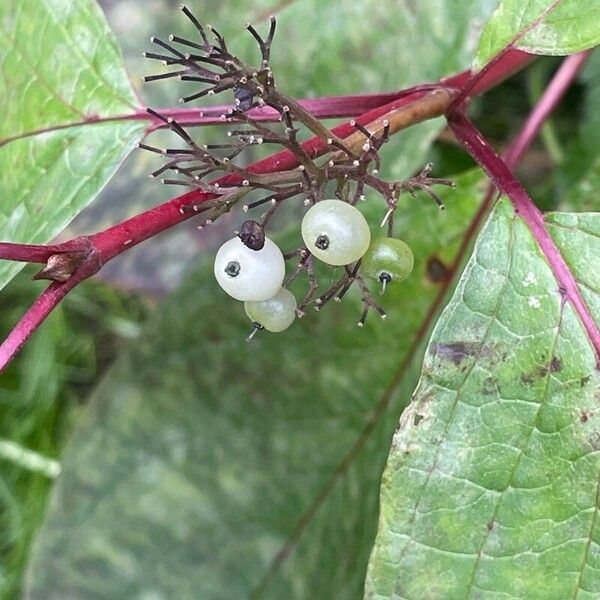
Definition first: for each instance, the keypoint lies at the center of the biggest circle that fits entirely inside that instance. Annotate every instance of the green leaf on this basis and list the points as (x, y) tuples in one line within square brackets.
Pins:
[(551, 27), (491, 487), (62, 83), (202, 458)]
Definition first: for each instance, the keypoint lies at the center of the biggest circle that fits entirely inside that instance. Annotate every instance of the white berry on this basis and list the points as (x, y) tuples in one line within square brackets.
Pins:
[(247, 274), (335, 232), (275, 314)]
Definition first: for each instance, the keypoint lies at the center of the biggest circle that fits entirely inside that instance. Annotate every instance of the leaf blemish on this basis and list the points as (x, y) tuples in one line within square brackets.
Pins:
[(594, 440), (489, 386), (456, 352), (527, 378), (555, 364), (529, 279)]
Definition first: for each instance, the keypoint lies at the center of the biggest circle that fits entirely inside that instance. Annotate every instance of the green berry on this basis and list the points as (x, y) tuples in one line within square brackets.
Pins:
[(388, 260), (275, 314), (335, 232)]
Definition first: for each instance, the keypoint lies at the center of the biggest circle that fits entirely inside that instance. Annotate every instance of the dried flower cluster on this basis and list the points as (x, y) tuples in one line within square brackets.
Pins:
[(347, 171)]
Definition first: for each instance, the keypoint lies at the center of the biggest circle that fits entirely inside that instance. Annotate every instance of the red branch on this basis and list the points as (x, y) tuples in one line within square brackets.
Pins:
[(560, 83), (562, 80), (497, 170), (327, 107), (500, 172), (105, 245), (114, 240), (330, 107), (472, 85), (40, 253), (323, 108), (45, 304)]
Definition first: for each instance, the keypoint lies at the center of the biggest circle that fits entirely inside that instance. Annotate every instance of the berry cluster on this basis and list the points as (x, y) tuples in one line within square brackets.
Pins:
[(251, 267)]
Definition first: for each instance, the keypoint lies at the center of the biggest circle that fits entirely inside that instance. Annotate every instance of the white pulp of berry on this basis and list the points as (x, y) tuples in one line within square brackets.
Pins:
[(275, 314), (247, 274), (335, 232)]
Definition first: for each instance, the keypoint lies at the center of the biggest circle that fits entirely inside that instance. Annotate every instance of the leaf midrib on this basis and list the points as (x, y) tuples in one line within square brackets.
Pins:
[(86, 120), (454, 405), (523, 449)]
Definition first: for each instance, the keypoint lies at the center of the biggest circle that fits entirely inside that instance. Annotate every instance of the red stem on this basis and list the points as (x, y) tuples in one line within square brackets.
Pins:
[(553, 94), (347, 106), (111, 242), (562, 80), (41, 253), (323, 108), (43, 306), (327, 107), (497, 170), (114, 240)]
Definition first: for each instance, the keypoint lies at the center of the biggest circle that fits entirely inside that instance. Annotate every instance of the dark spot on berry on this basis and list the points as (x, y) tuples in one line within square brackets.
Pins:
[(385, 277), (322, 242), (233, 268), (584, 416)]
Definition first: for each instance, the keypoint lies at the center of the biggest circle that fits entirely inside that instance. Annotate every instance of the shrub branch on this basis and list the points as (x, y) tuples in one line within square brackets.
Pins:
[(93, 251)]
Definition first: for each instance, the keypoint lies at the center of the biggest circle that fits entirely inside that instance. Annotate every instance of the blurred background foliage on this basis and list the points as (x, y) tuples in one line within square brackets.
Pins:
[(321, 49), (42, 392)]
